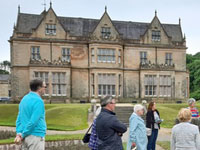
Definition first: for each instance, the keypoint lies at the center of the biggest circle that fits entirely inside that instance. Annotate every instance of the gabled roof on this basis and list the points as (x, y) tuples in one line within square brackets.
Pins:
[(27, 22), (84, 26), (173, 31), (106, 15)]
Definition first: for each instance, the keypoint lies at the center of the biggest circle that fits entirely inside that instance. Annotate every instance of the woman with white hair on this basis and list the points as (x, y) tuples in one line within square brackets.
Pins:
[(137, 131), (193, 109), (185, 136)]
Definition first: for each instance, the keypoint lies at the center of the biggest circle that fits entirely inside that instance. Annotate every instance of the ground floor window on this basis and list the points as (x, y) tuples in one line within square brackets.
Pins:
[(106, 84), (58, 83), (165, 86), (150, 85)]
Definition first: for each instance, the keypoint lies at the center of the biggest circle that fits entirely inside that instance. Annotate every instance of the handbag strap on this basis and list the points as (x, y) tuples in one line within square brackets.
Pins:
[(89, 129)]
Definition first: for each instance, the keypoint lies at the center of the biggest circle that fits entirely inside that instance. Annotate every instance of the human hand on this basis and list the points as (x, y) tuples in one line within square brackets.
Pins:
[(133, 145), (18, 139), (159, 121)]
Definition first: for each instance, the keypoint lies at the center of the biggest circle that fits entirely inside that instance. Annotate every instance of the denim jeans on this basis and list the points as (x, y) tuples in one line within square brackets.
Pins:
[(152, 140)]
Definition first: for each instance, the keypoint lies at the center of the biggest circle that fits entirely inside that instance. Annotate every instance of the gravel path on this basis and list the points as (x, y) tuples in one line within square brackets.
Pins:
[(164, 134)]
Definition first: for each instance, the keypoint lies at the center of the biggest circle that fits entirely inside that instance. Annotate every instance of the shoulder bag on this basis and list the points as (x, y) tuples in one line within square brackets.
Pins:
[(86, 137)]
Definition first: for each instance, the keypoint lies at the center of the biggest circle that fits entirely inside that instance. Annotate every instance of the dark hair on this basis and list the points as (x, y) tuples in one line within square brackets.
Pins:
[(151, 105), (106, 100), (35, 84)]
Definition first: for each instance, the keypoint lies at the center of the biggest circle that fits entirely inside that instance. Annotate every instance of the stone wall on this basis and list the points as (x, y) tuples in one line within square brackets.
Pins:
[(53, 145)]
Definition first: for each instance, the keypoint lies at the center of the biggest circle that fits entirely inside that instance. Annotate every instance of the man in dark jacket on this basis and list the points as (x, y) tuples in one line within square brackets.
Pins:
[(109, 128)]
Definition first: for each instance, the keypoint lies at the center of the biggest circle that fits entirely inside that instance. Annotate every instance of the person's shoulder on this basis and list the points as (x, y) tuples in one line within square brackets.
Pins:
[(176, 126), (38, 100), (149, 112), (193, 126)]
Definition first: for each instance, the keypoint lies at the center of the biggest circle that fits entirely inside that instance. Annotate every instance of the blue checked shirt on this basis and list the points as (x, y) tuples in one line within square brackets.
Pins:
[(93, 144)]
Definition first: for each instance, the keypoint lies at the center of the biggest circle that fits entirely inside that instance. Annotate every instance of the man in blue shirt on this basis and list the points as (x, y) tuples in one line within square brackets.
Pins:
[(31, 124)]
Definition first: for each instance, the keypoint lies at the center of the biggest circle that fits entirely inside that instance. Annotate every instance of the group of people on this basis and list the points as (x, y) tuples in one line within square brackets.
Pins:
[(107, 130), (185, 135)]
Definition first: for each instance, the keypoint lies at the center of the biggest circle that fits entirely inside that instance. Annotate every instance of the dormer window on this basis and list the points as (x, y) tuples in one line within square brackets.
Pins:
[(50, 29), (155, 35), (105, 32)]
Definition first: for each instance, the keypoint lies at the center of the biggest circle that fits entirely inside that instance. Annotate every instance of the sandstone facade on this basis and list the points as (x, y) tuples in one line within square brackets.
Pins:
[(89, 58)]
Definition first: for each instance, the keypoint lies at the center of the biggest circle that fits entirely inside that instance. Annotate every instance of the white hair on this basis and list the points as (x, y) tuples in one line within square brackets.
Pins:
[(138, 107), (191, 100)]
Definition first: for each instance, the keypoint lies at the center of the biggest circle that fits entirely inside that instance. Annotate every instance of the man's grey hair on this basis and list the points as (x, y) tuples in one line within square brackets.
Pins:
[(190, 101), (106, 100), (138, 107)]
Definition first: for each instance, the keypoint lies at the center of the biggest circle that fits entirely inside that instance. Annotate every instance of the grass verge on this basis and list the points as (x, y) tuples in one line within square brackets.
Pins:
[(164, 144), (58, 137)]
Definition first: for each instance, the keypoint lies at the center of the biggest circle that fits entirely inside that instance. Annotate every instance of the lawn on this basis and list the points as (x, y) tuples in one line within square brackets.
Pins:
[(74, 116), (67, 117), (169, 112)]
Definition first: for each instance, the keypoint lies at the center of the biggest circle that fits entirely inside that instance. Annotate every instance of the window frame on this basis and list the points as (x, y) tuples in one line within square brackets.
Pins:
[(106, 55), (105, 32), (168, 58), (156, 35), (35, 53), (59, 81), (66, 54), (108, 85), (143, 57), (150, 85), (50, 29)]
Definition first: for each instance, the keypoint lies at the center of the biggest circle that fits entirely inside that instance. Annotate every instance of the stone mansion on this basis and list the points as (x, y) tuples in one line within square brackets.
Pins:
[(81, 58)]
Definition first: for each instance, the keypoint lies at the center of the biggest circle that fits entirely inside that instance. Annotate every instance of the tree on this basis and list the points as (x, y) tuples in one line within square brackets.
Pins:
[(5, 67), (193, 64)]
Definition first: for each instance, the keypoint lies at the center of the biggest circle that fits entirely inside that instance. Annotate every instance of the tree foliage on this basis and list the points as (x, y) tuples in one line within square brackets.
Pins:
[(193, 64), (4, 67)]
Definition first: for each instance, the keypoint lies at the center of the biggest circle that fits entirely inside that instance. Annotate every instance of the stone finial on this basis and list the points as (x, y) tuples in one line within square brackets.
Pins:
[(44, 5), (105, 8), (14, 26), (155, 12), (179, 21), (50, 4), (18, 9), (184, 37)]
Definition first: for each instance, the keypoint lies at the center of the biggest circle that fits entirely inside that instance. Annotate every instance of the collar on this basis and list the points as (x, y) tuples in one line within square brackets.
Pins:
[(107, 111), (35, 93)]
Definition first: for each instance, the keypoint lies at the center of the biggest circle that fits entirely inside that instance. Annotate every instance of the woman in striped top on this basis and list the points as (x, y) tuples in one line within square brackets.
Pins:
[(193, 109)]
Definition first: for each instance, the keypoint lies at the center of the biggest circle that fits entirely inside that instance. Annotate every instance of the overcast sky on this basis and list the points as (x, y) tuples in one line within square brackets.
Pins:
[(168, 11)]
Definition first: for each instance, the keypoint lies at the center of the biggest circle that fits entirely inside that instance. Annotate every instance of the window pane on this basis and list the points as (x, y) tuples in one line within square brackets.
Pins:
[(99, 89)]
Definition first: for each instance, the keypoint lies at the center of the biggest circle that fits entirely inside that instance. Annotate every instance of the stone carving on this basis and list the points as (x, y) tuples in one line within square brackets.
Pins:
[(149, 65), (58, 62)]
